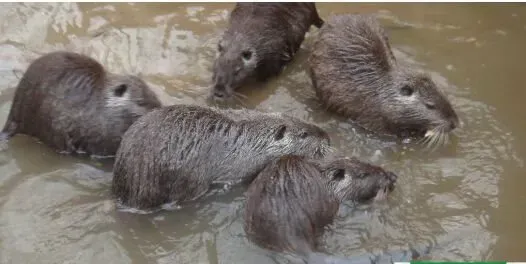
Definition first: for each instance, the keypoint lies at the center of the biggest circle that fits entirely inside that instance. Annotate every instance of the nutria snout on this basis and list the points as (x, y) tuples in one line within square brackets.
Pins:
[(71, 103), (352, 179), (260, 40), (176, 153), (293, 198), (355, 74)]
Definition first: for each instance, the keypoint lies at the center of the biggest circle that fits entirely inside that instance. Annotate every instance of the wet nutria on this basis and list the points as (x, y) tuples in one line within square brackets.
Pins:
[(293, 198), (260, 40), (354, 73), (70, 103), (174, 154)]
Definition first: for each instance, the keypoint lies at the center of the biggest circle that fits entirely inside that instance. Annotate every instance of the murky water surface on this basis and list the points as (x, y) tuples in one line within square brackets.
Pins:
[(466, 198)]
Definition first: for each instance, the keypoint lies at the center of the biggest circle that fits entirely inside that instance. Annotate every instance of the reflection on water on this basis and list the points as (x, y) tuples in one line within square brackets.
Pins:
[(465, 198)]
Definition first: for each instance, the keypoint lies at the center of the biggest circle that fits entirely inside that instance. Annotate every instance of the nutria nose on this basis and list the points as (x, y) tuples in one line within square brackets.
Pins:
[(219, 91), (392, 181), (453, 123), (392, 176), (219, 94)]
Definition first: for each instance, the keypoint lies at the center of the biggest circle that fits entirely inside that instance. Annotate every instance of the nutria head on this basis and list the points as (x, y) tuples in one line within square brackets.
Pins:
[(235, 65), (280, 134), (352, 179), (260, 40), (355, 73), (418, 107), (71, 103), (128, 96), (293, 198)]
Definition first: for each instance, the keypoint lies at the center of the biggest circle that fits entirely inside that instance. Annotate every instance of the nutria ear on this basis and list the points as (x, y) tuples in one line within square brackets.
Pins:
[(339, 175), (247, 55), (304, 134), (120, 90), (280, 132)]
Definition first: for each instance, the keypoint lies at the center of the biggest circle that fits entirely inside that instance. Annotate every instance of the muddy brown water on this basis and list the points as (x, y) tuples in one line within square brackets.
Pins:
[(466, 197)]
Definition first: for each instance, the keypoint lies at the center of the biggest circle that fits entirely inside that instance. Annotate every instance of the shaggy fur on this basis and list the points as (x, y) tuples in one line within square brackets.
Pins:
[(70, 103), (293, 198), (260, 40), (174, 154), (354, 73)]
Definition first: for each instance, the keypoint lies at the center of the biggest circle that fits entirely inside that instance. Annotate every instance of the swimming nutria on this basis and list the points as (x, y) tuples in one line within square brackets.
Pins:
[(174, 154), (260, 40), (70, 103), (354, 73), (293, 198)]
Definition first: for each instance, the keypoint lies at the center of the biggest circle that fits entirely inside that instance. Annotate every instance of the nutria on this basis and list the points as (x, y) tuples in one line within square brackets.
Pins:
[(293, 199), (174, 154), (355, 74), (70, 103), (260, 40)]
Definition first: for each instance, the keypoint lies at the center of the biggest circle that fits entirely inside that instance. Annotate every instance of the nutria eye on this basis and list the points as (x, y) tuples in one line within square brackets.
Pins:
[(247, 55), (339, 175), (406, 91), (280, 133), (219, 48), (120, 90)]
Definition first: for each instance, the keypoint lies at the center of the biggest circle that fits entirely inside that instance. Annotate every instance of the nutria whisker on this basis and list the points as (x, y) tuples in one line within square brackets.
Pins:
[(240, 95), (16, 74), (436, 137), (239, 100)]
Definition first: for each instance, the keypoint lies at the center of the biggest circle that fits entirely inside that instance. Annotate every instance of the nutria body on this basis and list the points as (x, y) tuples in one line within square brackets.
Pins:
[(70, 103), (294, 198), (354, 73), (174, 154), (260, 40)]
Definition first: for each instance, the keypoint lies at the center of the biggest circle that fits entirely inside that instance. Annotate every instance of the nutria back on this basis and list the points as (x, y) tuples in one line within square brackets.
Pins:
[(293, 198), (355, 74), (175, 153), (260, 40), (288, 205), (69, 102)]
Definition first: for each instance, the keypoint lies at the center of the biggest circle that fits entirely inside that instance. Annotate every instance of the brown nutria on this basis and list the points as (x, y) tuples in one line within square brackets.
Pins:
[(354, 73), (260, 40), (174, 154), (70, 103), (293, 199)]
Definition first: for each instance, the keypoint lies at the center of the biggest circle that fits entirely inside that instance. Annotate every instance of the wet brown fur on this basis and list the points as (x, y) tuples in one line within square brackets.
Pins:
[(271, 32), (175, 154), (355, 74), (69, 102), (294, 198)]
